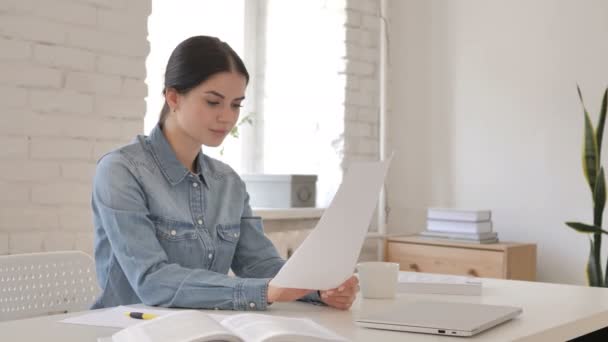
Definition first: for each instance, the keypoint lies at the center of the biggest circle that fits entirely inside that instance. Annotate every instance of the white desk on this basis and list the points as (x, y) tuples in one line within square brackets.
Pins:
[(551, 313)]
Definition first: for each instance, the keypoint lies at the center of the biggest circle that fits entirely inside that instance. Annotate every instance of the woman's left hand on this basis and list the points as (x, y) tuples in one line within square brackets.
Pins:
[(343, 296)]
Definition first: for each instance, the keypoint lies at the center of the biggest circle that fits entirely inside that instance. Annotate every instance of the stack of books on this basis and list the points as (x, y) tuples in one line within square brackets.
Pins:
[(416, 282), (460, 225)]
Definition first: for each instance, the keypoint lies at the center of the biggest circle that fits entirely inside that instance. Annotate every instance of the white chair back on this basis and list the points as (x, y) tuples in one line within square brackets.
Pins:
[(46, 283)]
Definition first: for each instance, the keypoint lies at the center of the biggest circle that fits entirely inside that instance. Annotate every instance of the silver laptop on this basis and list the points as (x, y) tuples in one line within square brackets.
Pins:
[(442, 318)]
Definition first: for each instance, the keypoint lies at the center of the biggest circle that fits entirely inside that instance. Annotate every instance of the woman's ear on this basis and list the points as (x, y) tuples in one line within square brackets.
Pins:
[(172, 98)]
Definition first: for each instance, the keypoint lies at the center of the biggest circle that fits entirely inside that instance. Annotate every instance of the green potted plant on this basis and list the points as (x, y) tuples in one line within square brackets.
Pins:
[(234, 132), (594, 173)]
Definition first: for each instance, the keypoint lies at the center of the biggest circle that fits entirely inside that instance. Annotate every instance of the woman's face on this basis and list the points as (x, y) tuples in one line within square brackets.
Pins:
[(208, 112)]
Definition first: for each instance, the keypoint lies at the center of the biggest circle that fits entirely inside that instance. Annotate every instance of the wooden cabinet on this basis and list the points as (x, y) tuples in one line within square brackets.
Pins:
[(504, 260)]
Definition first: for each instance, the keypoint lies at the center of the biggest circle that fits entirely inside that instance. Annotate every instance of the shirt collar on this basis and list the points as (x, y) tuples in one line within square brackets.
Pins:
[(167, 161)]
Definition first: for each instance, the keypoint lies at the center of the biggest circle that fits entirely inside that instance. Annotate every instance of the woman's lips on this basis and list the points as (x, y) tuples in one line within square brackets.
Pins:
[(219, 132)]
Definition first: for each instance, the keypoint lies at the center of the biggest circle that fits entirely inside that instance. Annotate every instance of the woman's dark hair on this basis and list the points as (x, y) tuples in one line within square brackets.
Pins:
[(194, 61)]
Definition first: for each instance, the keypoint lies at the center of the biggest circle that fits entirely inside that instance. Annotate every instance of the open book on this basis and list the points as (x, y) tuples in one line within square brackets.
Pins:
[(197, 326)]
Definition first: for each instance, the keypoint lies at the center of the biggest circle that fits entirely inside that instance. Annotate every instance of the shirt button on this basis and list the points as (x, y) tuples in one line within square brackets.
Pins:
[(210, 255), (252, 305), (195, 184), (200, 222), (173, 232), (236, 234)]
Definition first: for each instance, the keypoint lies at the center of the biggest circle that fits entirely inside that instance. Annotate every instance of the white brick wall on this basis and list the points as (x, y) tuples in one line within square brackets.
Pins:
[(361, 104), (362, 76), (72, 88)]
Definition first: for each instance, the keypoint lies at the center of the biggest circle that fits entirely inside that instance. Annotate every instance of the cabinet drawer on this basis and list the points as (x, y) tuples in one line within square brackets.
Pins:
[(447, 260)]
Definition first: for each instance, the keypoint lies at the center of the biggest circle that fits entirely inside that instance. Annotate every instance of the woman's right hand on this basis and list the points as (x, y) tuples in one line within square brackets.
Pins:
[(281, 294)]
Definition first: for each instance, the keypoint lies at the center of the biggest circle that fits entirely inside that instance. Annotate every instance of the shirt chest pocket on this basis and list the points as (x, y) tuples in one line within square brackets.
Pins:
[(181, 242), (227, 239)]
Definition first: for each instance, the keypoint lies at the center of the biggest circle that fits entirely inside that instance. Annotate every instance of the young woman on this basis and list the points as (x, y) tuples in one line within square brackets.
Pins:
[(170, 221)]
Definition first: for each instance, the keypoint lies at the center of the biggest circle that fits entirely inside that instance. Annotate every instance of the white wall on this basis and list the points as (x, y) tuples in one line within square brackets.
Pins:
[(485, 114), (72, 88)]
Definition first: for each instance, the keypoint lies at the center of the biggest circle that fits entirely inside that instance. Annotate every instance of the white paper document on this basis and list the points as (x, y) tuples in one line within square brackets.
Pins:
[(329, 254), (116, 318)]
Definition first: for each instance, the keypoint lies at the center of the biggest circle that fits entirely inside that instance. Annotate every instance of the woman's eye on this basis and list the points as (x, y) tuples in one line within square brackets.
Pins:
[(213, 103), (237, 105)]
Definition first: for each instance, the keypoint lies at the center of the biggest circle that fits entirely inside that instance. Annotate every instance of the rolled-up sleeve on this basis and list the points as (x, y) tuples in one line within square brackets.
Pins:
[(120, 205)]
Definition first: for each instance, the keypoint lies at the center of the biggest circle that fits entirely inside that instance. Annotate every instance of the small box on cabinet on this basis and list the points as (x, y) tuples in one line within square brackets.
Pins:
[(281, 191)]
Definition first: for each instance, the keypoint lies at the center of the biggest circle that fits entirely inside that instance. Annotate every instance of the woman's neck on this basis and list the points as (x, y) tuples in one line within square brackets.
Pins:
[(185, 148)]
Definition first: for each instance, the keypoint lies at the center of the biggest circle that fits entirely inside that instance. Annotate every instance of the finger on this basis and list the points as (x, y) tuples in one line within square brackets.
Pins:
[(353, 289), (350, 282), (342, 306), (345, 300), (338, 300), (344, 291), (346, 294), (330, 292), (353, 280), (341, 300), (348, 291)]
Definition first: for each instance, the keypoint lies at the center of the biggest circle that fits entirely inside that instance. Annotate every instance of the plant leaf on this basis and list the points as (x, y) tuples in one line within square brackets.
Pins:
[(590, 153), (599, 199), (606, 275), (597, 252), (580, 95), (246, 119), (235, 131), (600, 124), (593, 272), (585, 228), (590, 147)]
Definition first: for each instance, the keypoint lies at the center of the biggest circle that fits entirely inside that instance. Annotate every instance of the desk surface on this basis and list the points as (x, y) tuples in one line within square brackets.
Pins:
[(551, 312)]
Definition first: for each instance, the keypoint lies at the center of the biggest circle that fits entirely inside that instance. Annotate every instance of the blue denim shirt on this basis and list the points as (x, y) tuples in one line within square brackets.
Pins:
[(167, 237)]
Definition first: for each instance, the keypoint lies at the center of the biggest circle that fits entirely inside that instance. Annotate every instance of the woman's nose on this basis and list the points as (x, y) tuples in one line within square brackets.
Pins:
[(228, 115)]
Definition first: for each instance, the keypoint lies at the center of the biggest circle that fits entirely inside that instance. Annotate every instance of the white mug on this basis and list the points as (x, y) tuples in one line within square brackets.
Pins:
[(378, 279)]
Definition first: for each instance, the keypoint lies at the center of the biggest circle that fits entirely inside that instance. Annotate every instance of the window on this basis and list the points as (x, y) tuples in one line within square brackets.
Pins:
[(169, 24), (303, 100), (294, 51)]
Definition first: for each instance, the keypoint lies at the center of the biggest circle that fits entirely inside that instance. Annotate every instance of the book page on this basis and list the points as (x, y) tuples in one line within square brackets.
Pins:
[(181, 326), (264, 328)]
